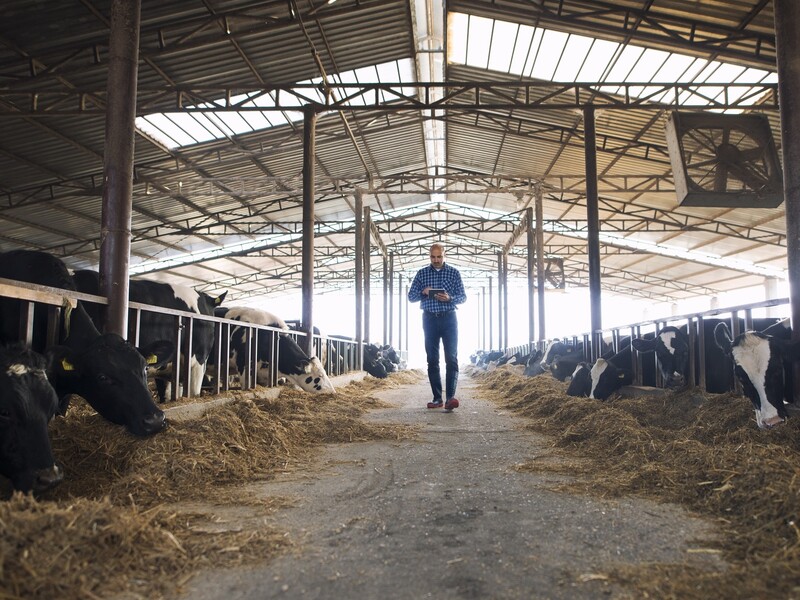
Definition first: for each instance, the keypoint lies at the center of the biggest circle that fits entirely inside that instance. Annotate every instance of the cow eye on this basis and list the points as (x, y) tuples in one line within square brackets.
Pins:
[(103, 379)]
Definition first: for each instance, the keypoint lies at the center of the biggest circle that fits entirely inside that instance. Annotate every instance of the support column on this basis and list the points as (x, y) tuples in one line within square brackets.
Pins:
[(387, 299), (787, 30), (499, 300), (115, 234), (505, 299), (489, 317), (399, 311), (593, 226), (540, 260), (529, 227), (367, 267), (309, 152), (359, 276)]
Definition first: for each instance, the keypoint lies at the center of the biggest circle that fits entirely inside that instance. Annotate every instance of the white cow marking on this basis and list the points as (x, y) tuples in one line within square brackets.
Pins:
[(598, 368), (752, 355), (667, 338)]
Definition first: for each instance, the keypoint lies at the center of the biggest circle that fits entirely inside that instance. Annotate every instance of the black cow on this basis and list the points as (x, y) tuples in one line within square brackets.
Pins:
[(155, 327), (762, 361), (304, 371), (102, 368), (27, 404)]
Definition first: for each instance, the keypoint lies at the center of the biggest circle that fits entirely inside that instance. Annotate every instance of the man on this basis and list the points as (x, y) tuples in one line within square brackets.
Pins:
[(440, 289)]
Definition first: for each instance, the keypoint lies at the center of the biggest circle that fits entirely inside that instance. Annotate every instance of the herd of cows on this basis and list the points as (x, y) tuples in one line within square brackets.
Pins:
[(48, 355), (761, 358)]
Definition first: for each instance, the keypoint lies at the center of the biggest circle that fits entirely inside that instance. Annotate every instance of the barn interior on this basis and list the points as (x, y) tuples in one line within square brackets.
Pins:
[(462, 121)]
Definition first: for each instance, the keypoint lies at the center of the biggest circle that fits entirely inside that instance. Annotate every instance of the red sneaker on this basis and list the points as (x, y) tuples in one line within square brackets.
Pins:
[(451, 404), (435, 404)]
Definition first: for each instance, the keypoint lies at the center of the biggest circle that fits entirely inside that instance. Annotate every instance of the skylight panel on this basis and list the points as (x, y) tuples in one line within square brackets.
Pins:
[(575, 54), (522, 48), (536, 44), (625, 64), (597, 60), (648, 65), (366, 75), (726, 73), (502, 49), (550, 52), (178, 129), (457, 50), (256, 120), (232, 122), (673, 68), (478, 36)]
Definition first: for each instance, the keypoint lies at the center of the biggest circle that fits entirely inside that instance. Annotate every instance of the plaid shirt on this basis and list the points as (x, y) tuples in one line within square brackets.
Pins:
[(448, 278)]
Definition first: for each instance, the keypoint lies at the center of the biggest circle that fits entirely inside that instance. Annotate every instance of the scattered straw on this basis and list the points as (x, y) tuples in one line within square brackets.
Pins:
[(701, 451), (115, 524)]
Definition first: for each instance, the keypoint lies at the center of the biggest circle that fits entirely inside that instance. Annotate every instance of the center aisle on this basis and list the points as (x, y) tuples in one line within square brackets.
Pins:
[(449, 515)]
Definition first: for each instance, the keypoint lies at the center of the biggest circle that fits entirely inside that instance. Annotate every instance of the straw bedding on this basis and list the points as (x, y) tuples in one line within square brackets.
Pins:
[(700, 451), (116, 526)]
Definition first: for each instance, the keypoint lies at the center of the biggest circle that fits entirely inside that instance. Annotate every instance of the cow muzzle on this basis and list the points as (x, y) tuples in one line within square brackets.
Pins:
[(48, 478)]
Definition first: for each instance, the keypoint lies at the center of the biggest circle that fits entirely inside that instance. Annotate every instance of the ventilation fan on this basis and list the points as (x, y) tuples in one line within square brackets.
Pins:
[(724, 160)]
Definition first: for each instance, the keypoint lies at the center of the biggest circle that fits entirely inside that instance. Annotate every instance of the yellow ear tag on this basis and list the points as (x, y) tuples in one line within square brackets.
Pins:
[(66, 365), (152, 359)]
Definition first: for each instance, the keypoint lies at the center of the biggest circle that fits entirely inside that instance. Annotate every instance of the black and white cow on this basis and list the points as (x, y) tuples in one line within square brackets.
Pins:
[(373, 362), (580, 382), (762, 361), (556, 348), (156, 327), (27, 404), (104, 369), (533, 366), (302, 370), (604, 377), (671, 348)]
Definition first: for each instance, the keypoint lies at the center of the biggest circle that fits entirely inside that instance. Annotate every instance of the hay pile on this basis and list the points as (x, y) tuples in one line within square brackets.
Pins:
[(115, 523), (703, 452)]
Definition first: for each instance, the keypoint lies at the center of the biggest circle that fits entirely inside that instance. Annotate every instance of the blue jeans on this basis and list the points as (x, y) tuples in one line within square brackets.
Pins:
[(442, 328)]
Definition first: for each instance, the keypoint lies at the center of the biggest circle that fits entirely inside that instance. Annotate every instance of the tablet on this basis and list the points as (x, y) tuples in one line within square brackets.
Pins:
[(433, 291)]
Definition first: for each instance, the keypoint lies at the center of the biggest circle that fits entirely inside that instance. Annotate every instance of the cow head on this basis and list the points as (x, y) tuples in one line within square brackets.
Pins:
[(27, 404), (671, 347), (607, 378), (580, 381), (563, 367), (313, 378), (207, 305), (556, 348), (533, 366), (375, 368), (759, 365), (111, 375)]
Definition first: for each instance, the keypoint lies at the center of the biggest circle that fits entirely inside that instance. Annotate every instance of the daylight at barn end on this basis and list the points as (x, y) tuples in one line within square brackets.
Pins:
[(567, 313)]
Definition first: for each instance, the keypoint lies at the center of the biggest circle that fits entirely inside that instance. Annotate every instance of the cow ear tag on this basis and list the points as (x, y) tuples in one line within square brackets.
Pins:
[(152, 359), (66, 365)]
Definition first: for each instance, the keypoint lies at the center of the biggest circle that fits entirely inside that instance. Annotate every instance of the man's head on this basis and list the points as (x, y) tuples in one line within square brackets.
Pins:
[(437, 255)]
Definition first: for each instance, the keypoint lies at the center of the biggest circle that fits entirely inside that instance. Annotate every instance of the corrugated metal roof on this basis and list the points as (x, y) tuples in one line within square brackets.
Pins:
[(236, 202)]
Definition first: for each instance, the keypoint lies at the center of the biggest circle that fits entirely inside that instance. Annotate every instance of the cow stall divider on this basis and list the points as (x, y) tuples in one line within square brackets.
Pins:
[(339, 356), (705, 370)]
